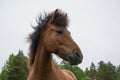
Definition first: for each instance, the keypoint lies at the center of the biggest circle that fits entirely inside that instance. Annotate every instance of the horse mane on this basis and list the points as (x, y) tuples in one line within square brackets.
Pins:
[(57, 18)]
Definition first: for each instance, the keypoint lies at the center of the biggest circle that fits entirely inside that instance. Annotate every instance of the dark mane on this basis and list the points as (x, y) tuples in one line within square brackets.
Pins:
[(57, 18)]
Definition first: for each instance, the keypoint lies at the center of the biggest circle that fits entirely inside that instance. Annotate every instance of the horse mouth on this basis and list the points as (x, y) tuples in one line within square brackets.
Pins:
[(74, 59)]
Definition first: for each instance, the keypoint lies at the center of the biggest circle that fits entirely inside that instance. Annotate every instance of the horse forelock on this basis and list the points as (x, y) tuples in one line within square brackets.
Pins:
[(57, 18)]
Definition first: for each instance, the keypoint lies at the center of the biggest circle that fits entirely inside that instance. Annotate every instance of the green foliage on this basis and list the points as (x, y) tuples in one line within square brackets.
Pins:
[(75, 69), (106, 71), (118, 73), (87, 78), (15, 68), (92, 72), (5, 70), (3, 75)]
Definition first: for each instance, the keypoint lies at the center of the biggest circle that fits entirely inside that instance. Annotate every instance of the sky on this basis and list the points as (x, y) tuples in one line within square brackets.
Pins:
[(94, 26)]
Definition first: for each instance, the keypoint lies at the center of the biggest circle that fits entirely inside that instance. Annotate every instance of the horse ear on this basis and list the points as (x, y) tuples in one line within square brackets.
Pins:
[(52, 18)]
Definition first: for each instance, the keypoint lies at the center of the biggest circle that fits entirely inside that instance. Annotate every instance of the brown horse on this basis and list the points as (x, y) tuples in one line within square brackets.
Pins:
[(52, 37)]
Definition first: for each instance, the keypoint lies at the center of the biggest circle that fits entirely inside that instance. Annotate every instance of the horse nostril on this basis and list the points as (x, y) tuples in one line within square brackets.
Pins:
[(77, 54)]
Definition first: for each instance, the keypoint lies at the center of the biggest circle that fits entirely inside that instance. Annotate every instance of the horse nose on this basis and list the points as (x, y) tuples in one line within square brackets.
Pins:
[(75, 58), (77, 54)]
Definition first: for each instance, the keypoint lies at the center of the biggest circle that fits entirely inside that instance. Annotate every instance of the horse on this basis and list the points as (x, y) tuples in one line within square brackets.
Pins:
[(50, 36)]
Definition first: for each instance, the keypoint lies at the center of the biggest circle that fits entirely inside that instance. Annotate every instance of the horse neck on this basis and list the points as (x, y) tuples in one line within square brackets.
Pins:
[(43, 63)]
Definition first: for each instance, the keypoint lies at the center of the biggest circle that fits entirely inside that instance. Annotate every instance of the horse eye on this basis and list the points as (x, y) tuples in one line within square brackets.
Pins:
[(59, 31)]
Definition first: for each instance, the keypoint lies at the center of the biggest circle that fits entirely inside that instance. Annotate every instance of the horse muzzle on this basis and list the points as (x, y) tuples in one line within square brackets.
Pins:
[(75, 58)]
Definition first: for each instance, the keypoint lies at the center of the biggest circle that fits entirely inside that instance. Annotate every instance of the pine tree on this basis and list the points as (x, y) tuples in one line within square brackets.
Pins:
[(118, 73), (87, 73), (106, 71), (15, 68), (92, 72), (5, 70)]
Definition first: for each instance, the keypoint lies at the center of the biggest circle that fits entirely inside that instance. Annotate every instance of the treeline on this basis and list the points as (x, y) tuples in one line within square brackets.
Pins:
[(15, 68), (104, 71)]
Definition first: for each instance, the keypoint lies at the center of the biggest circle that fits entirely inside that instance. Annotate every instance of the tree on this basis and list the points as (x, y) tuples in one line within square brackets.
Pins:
[(15, 68), (92, 72), (118, 73), (87, 73), (4, 73), (106, 71), (75, 69)]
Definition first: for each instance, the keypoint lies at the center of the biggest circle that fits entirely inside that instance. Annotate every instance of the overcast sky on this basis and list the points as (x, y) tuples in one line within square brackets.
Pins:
[(94, 25)]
